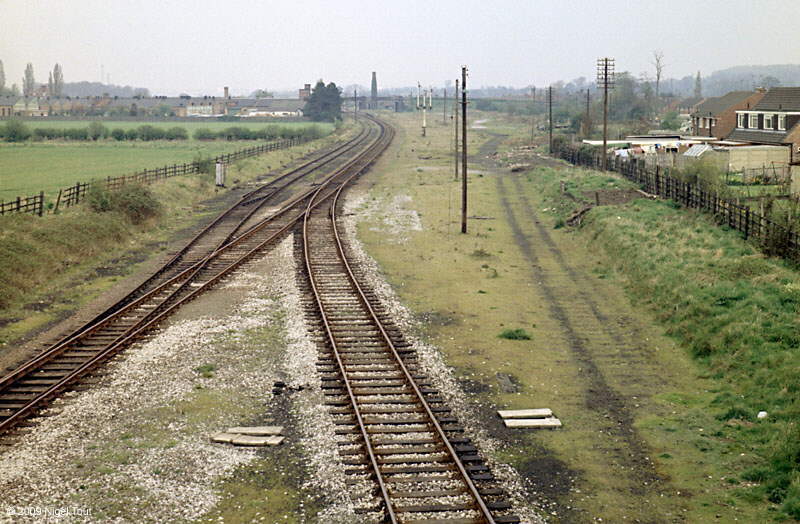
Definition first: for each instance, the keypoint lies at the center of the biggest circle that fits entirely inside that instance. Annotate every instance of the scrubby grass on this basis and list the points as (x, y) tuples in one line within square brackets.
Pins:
[(514, 334), (736, 311), (213, 125)]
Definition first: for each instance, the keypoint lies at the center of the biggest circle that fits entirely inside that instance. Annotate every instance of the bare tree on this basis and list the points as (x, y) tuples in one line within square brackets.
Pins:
[(2, 78), (658, 63)]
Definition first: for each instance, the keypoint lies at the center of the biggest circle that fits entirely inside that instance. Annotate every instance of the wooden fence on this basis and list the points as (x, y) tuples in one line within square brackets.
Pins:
[(72, 195), (779, 239), (32, 204)]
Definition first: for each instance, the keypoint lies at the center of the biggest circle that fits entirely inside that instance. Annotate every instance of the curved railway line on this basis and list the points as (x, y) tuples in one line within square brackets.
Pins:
[(404, 452), (229, 241)]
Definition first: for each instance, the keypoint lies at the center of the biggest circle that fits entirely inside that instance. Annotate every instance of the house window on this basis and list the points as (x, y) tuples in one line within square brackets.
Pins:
[(768, 122), (740, 120), (782, 122), (705, 122), (753, 123)]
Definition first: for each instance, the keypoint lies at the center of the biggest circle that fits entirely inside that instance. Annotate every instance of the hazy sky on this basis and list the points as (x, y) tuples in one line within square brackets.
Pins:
[(199, 46)]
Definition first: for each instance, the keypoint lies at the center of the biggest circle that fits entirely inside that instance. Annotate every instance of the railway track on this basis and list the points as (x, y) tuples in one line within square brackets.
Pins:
[(404, 452), (231, 240)]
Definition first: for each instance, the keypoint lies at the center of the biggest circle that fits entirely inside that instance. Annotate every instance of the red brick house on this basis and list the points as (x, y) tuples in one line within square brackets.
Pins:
[(774, 120), (717, 116)]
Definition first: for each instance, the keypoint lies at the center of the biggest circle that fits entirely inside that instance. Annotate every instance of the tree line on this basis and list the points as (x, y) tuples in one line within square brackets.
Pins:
[(55, 82), (16, 131)]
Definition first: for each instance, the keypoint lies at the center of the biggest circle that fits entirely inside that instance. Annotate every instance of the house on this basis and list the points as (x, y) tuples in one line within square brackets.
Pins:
[(716, 117), (29, 106), (7, 104), (774, 120), (687, 106), (275, 107)]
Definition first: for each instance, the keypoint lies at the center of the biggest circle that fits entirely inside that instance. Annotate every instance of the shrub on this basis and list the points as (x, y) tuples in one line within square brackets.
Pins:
[(134, 201), (16, 131), (515, 334), (118, 134), (76, 133), (97, 130), (148, 132), (131, 134), (204, 134), (176, 133)]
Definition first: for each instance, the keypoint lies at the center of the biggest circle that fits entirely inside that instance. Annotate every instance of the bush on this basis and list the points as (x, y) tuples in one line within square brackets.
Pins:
[(131, 134), (176, 133), (118, 134), (204, 134), (134, 201), (515, 334), (16, 131), (148, 133), (97, 130)]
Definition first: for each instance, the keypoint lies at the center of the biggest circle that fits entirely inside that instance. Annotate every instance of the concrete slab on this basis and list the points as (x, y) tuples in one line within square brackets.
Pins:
[(250, 440), (533, 423), (525, 413), (223, 437), (256, 430)]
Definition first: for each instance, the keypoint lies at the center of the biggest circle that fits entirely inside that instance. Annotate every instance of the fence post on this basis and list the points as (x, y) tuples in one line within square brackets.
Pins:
[(747, 223), (19, 204), (41, 202)]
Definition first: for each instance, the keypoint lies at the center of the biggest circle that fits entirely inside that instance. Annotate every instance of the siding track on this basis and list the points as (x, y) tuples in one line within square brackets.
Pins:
[(231, 240), (405, 454)]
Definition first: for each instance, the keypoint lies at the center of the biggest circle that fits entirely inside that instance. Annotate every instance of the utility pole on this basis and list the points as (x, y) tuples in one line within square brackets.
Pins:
[(444, 108), (533, 113), (550, 115), (355, 104), (455, 120), (424, 106), (464, 149), (605, 79), (588, 120)]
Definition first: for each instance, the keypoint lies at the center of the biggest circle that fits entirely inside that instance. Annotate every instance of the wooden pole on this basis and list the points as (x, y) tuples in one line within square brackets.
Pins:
[(464, 149), (455, 118)]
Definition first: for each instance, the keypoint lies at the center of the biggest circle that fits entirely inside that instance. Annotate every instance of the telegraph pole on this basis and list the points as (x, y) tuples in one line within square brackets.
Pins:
[(588, 120), (533, 113), (464, 149), (605, 79), (444, 108), (355, 104), (455, 119), (550, 114)]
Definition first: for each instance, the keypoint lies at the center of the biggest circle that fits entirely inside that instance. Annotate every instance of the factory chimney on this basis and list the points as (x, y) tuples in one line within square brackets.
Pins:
[(227, 94), (374, 96)]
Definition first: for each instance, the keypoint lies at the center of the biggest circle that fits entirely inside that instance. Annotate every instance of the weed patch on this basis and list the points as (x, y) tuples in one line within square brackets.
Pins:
[(514, 334)]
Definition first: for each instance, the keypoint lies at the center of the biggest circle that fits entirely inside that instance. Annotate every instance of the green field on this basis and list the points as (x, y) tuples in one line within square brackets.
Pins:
[(213, 125), (29, 167)]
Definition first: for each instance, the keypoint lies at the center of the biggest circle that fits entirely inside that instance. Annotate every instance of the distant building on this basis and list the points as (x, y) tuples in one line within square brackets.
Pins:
[(774, 120), (7, 104), (273, 107), (716, 117), (304, 93)]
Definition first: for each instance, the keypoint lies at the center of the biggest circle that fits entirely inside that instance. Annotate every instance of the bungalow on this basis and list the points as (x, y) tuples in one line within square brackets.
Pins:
[(716, 117), (774, 120)]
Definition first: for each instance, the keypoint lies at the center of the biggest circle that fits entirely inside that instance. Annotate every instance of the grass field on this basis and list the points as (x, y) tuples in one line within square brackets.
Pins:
[(213, 125), (30, 167)]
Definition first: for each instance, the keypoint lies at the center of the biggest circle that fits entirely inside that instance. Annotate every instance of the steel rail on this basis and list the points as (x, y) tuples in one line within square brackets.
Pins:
[(334, 347), (151, 319), (451, 451)]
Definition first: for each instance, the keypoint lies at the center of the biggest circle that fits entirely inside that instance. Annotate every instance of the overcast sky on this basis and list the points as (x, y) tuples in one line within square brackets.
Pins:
[(200, 46)]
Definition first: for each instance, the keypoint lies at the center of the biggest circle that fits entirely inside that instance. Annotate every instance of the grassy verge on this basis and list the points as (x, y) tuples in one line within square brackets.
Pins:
[(474, 314), (732, 308), (52, 265)]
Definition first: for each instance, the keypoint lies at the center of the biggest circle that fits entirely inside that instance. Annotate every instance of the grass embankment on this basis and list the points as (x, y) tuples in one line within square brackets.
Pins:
[(51, 265), (30, 167), (639, 440), (735, 311)]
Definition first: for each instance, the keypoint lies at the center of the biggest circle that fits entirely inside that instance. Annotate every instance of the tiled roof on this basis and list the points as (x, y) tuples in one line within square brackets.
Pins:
[(689, 102), (757, 137), (717, 105), (8, 100), (780, 99)]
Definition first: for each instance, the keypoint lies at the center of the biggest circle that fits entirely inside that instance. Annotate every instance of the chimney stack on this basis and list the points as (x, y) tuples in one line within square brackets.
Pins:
[(227, 94)]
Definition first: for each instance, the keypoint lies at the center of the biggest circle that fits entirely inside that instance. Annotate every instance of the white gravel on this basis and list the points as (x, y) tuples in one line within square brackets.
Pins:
[(358, 207), (129, 448)]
